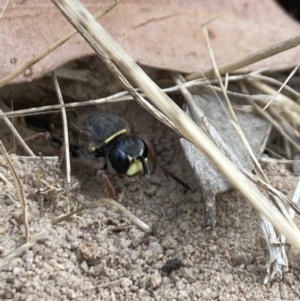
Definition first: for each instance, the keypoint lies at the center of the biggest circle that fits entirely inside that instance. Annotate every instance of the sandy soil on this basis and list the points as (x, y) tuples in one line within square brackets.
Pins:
[(101, 255)]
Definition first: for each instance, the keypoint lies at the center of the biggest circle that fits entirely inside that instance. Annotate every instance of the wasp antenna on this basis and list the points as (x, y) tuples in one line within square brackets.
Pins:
[(145, 167), (181, 182), (152, 155)]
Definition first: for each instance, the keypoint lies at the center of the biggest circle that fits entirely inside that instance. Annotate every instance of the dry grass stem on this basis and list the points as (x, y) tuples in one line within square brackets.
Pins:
[(280, 100), (274, 81), (196, 111), (250, 59), (262, 98), (3, 179), (292, 132), (18, 136), (4, 81), (19, 188), (118, 97), (65, 129), (105, 202), (282, 86), (21, 249), (81, 18), (267, 160), (272, 190), (217, 74), (276, 125), (235, 122), (211, 81), (122, 96), (283, 105), (52, 159)]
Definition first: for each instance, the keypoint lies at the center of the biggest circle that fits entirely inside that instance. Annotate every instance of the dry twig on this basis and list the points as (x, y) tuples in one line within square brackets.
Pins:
[(123, 96), (276, 125), (3, 178), (18, 136), (19, 187), (250, 59), (275, 82), (107, 202), (21, 249), (65, 129), (282, 86)]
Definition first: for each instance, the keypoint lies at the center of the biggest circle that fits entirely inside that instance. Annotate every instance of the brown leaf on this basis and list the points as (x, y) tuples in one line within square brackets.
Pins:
[(164, 34)]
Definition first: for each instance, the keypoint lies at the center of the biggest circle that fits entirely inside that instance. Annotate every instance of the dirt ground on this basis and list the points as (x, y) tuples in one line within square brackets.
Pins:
[(100, 254)]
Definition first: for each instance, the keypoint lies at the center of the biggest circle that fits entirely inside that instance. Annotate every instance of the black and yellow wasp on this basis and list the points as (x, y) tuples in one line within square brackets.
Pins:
[(97, 134), (93, 132)]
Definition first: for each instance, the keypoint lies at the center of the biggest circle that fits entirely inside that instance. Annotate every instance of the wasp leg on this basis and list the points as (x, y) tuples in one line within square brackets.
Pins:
[(55, 142), (108, 185), (152, 155), (184, 185), (61, 154), (35, 138)]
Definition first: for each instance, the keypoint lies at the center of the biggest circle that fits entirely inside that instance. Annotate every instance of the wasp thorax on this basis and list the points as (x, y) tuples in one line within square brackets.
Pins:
[(128, 155)]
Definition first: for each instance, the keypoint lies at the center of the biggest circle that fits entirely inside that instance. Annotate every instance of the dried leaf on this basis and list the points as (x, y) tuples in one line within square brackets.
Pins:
[(164, 34), (208, 176)]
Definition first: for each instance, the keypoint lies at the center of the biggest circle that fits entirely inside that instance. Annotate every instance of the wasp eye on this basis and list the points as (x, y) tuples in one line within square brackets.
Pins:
[(118, 160)]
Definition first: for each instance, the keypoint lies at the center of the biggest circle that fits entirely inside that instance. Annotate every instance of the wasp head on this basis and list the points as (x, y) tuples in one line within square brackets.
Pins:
[(128, 155)]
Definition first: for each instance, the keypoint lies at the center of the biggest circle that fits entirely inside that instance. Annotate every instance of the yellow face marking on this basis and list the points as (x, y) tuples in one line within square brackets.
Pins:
[(52, 126), (135, 167), (112, 137)]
